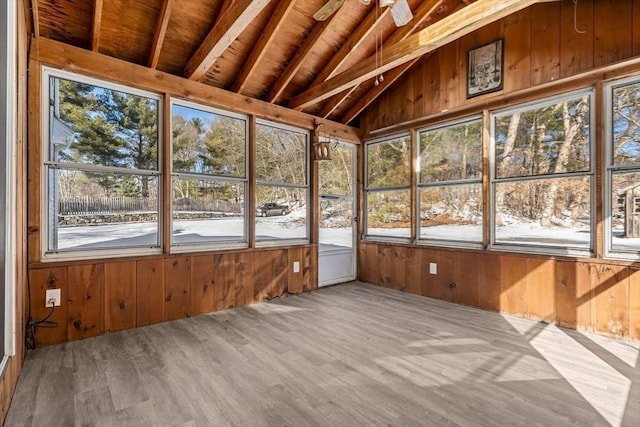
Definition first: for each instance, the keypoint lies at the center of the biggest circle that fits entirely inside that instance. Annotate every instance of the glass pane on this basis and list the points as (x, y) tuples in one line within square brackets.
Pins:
[(451, 213), (281, 213), (281, 155), (336, 231), (208, 143), (548, 139), (207, 211), (97, 210), (336, 175), (626, 125), (388, 163), (451, 153), (99, 126), (625, 212), (544, 212), (389, 213)]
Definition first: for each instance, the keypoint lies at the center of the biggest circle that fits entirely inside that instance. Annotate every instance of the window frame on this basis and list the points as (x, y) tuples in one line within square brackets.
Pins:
[(262, 243), (47, 165), (209, 245), (367, 189), (456, 182), (610, 169), (591, 173)]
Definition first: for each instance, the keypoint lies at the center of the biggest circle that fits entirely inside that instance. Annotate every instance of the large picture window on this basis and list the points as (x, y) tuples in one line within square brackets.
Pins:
[(209, 176), (387, 188), (623, 168), (282, 191), (450, 183), (101, 166), (542, 174)]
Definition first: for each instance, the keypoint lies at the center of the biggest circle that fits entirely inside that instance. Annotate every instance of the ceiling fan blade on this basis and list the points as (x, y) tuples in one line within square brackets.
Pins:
[(401, 13), (328, 9)]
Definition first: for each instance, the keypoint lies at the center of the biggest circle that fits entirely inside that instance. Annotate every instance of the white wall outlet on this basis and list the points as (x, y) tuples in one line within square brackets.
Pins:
[(433, 268), (296, 266), (52, 298)]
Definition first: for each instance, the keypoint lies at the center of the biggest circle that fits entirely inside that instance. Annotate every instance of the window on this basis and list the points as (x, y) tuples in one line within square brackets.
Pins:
[(542, 175), (282, 190), (387, 188), (450, 183), (101, 167), (622, 216), (209, 176)]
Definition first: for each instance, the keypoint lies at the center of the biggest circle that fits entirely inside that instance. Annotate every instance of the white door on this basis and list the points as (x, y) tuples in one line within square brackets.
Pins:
[(337, 249)]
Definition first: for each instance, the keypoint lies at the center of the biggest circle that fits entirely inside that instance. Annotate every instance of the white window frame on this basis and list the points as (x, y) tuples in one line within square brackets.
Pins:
[(367, 190), (609, 169), (544, 249), (213, 244), (67, 254), (420, 186), (9, 122), (296, 241)]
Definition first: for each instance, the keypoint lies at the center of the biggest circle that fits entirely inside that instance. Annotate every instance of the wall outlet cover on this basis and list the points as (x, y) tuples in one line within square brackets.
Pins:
[(52, 294), (296, 266), (433, 268)]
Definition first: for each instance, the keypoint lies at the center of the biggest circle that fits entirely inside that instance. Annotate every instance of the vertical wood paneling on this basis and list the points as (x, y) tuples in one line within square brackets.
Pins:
[(384, 266), (576, 37), (466, 267), (613, 31), (294, 280), (412, 271), (514, 285), (224, 281), (279, 274), (262, 274), (545, 42), (177, 288), (449, 76), (149, 292), (310, 279), (489, 282), (202, 285), (540, 292), (119, 296), (446, 277), (244, 279), (636, 27), (431, 85), (517, 47), (86, 301), (40, 280), (610, 296), (573, 295), (398, 267), (634, 303)]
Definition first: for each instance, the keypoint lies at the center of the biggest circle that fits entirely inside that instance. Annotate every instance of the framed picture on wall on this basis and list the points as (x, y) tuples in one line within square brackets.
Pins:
[(485, 69)]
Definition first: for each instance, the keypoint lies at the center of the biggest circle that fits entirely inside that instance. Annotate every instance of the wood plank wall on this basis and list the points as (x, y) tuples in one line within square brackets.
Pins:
[(542, 47), (10, 378), (105, 296), (581, 294)]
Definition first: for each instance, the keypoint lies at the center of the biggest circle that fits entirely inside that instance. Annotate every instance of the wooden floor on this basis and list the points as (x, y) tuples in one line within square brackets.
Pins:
[(347, 355)]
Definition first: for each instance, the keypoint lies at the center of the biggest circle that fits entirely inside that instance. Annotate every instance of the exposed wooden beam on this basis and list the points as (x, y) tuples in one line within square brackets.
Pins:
[(31, 11), (97, 22), (389, 78), (161, 32), (257, 53), (366, 27), (233, 22), (93, 64), (450, 28), (424, 10), (298, 59)]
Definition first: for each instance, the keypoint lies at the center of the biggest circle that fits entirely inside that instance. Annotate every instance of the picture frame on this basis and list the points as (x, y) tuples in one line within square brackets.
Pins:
[(485, 69)]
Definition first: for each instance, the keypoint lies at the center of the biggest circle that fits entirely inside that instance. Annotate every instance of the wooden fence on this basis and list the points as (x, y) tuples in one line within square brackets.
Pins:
[(88, 205)]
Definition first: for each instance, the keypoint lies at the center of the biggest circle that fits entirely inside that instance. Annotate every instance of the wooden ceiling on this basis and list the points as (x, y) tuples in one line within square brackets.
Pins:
[(269, 50)]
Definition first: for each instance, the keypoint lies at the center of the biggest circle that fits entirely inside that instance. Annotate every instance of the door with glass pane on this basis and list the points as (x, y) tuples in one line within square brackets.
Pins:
[(336, 252)]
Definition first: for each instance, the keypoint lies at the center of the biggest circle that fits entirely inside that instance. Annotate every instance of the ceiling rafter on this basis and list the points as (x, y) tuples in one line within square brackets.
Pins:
[(232, 22), (35, 17), (456, 25), (97, 22), (161, 32), (421, 14), (299, 58), (257, 53)]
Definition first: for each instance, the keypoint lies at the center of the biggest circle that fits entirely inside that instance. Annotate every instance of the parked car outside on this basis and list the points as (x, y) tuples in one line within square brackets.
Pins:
[(272, 209)]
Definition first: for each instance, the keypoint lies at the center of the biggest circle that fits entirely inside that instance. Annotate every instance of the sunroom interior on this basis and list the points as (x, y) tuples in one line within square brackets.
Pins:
[(364, 211)]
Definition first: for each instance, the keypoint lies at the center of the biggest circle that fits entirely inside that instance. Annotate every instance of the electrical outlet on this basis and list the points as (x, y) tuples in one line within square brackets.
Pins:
[(433, 268), (52, 298), (296, 266)]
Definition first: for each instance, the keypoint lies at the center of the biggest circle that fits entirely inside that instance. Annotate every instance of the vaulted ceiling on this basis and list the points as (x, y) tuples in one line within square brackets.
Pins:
[(268, 49)]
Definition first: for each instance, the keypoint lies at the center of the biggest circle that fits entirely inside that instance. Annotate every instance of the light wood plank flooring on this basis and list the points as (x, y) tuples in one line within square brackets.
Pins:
[(347, 355)]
